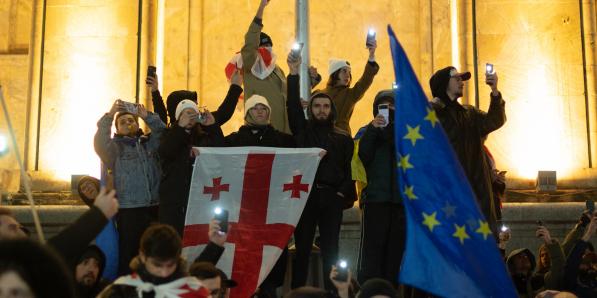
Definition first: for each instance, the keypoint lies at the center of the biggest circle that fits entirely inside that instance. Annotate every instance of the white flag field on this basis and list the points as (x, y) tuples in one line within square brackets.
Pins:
[(264, 190)]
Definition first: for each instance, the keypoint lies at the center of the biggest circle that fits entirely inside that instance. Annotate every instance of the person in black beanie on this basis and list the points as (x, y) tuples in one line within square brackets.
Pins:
[(333, 181), (88, 272), (383, 223), (466, 128)]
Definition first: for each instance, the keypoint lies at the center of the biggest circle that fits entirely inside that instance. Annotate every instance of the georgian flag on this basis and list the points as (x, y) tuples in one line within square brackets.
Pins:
[(264, 64), (264, 190)]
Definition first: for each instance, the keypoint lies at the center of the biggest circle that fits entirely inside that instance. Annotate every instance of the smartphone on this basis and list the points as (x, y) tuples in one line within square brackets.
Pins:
[(151, 70), (222, 216), (539, 223), (130, 107), (342, 268), (590, 206), (488, 68), (370, 37), (384, 110), (295, 53), (504, 228)]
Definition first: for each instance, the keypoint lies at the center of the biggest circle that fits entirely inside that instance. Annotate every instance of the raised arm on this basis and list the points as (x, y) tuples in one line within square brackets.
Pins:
[(226, 109), (249, 50), (156, 98), (371, 69), (496, 115), (103, 144), (294, 108)]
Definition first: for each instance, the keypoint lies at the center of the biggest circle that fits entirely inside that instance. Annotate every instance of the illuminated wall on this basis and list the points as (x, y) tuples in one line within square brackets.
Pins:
[(91, 56), (89, 60)]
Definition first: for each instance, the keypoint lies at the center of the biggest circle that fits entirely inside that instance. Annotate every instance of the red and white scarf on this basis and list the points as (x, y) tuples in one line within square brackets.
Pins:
[(185, 287), (264, 64)]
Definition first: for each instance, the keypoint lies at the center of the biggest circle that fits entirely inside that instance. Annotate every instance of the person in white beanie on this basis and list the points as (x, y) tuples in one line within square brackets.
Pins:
[(191, 128), (258, 131), (338, 86)]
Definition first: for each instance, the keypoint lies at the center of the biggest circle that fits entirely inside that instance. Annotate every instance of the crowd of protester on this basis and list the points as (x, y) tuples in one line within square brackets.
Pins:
[(150, 177)]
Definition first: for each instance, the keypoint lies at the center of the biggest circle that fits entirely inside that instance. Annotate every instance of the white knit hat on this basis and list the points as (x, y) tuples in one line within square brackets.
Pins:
[(336, 64), (186, 104), (254, 100)]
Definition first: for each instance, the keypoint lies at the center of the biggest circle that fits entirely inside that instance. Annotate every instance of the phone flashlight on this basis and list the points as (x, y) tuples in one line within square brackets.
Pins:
[(394, 85), (370, 37), (295, 52), (488, 68), (342, 271), (504, 228), (222, 216), (218, 210)]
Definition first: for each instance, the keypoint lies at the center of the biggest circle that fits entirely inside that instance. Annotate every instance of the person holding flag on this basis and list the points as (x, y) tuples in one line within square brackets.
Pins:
[(450, 250)]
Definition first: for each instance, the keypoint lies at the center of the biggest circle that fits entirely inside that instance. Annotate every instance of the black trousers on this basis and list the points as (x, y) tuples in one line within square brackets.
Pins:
[(323, 210), (131, 223), (383, 237)]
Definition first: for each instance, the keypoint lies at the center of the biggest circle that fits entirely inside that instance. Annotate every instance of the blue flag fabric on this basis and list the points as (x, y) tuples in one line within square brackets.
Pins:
[(450, 250), (107, 241)]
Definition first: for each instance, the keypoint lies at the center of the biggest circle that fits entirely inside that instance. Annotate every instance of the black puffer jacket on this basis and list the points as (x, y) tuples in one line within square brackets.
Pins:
[(177, 169), (334, 169)]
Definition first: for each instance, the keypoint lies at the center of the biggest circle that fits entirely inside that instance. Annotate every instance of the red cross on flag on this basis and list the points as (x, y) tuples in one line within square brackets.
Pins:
[(266, 191)]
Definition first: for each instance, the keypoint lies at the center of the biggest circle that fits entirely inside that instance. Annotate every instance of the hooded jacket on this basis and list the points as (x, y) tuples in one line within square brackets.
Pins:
[(524, 283), (334, 170), (377, 153), (466, 127), (177, 164), (95, 252), (133, 160)]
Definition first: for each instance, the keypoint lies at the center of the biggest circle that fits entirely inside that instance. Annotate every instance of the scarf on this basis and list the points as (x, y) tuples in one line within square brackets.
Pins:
[(264, 64), (188, 287)]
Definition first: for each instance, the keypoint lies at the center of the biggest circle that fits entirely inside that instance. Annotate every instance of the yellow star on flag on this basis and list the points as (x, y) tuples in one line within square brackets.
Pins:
[(413, 134), (431, 117), (430, 221), (410, 193), (461, 233), (404, 163), (483, 229)]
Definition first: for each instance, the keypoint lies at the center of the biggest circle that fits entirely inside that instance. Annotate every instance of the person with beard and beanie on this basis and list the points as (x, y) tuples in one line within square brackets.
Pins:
[(222, 115), (333, 181), (338, 86), (258, 131), (88, 272), (192, 128), (30, 269), (466, 128), (262, 76), (580, 275), (383, 223), (133, 159), (158, 270)]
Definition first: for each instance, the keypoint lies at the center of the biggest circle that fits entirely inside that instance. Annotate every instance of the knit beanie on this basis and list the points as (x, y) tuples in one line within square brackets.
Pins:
[(336, 64), (252, 102), (186, 104), (175, 98)]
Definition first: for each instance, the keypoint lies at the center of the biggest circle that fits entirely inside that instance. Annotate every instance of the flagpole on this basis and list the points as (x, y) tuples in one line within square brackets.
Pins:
[(24, 177)]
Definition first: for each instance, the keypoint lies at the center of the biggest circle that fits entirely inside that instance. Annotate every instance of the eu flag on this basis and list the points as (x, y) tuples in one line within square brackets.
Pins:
[(450, 250)]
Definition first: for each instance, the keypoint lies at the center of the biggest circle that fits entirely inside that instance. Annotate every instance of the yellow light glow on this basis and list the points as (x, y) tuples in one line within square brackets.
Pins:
[(71, 146), (454, 33), (538, 142)]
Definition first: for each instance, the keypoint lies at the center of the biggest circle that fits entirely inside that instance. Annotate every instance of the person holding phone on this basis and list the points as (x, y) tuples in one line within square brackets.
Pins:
[(333, 189), (132, 157), (340, 78), (192, 128), (383, 222), (467, 127)]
